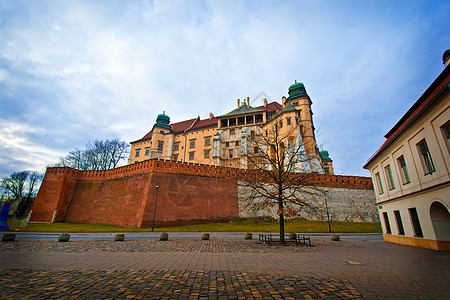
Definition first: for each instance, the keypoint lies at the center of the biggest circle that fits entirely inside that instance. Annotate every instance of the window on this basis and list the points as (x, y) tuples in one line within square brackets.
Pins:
[(227, 144), (206, 154), (295, 103), (326, 170), (175, 157), (446, 132), (192, 143), (176, 146), (281, 124), (403, 170), (147, 151), (398, 218), (237, 143), (191, 155), (379, 184), (232, 131), (252, 135), (425, 157), (207, 141), (389, 177), (138, 151), (386, 223), (415, 222), (160, 145), (230, 153), (256, 150), (288, 121), (161, 131)]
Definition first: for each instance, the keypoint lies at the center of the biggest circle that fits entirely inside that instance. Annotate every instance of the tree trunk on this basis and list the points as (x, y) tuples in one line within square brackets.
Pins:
[(280, 206)]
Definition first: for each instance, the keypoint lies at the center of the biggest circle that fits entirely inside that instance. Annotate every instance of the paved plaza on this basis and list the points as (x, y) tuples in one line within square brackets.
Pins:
[(220, 268)]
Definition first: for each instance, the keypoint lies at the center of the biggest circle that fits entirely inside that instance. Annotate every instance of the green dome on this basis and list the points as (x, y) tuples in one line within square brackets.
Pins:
[(297, 89), (325, 155), (163, 121)]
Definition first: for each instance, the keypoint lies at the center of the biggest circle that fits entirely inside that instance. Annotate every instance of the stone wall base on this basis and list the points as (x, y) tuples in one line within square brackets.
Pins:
[(418, 242)]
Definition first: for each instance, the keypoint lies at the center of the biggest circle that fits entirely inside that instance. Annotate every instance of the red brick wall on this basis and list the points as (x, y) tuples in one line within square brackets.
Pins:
[(186, 199), (188, 193)]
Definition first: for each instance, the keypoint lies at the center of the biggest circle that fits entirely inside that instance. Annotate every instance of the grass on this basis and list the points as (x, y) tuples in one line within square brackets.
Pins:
[(237, 226)]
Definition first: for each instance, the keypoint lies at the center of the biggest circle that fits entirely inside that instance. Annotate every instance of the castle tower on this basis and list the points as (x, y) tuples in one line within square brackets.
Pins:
[(301, 101)]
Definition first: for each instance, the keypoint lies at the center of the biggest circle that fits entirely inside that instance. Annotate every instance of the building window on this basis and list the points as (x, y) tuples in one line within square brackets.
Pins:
[(138, 151), (175, 157), (390, 179), (403, 170), (232, 131), (252, 135), (147, 151), (237, 143), (415, 222), (425, 157), (379, 184), (230, 153), (326, 170), (191, 155), (446, 132), (386, 223), (256, 150), (295, 103), (206, 154), (281, 124), (398, 218), (227, 144), (288, 121), (192, 143), (207, 141), (160, 145), (176, 146)]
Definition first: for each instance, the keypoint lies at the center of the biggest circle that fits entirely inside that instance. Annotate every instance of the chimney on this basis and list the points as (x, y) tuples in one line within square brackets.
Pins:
[(239, 103), (211, 116), (283, 100), (248, 102), (265, 102)]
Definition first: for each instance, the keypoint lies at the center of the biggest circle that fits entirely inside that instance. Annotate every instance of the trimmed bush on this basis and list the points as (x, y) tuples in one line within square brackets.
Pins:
[(205, 236), (247, 236), (335, 237)]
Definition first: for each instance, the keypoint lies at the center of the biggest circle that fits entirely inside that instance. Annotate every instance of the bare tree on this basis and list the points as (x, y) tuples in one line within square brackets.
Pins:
[(21, 187), (278, 176), (99, 155)]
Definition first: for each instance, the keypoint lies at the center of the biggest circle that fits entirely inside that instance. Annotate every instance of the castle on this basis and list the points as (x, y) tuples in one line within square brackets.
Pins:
[(224, 140)]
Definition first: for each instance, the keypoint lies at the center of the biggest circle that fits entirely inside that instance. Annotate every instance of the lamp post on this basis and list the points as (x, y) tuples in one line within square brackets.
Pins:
[(154, 210)]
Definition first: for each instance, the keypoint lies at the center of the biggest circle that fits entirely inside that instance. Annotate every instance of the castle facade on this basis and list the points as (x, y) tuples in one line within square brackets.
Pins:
[(226, 140)]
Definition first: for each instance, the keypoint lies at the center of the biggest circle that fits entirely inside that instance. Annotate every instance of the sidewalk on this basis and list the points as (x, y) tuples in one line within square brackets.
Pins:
[(220, 269)]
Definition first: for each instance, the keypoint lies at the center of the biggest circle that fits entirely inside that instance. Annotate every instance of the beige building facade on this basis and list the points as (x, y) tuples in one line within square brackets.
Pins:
[(411, 172), (226, 139)]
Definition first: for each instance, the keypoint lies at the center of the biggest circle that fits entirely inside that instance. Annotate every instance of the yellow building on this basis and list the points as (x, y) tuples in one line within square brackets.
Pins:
[(327, 162), (224, 140)]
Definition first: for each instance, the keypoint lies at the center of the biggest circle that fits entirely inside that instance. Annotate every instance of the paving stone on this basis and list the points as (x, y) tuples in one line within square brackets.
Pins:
[(220, 269)]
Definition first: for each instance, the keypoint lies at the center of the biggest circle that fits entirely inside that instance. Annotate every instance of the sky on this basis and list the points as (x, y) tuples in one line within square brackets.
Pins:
[(78, 71)]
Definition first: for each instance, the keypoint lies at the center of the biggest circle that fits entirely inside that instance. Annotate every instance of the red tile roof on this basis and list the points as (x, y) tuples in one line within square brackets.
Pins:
[(272, 106), (183, 125), (205, 123), (440, 84)]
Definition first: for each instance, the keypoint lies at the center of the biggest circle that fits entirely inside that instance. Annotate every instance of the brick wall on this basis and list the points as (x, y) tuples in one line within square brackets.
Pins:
[(187, 194)]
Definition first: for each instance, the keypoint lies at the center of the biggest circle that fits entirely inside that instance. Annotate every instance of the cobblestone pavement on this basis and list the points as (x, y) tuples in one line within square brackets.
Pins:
[(220, 269)]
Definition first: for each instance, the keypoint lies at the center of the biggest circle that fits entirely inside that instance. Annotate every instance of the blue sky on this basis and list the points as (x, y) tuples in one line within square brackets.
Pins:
[(76, 71)]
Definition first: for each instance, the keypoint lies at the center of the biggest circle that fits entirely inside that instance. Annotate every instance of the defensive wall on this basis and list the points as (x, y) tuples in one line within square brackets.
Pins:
[(187, 194)]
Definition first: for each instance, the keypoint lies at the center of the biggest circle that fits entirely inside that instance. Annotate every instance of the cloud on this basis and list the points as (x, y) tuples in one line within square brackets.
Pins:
[(86, 70)]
